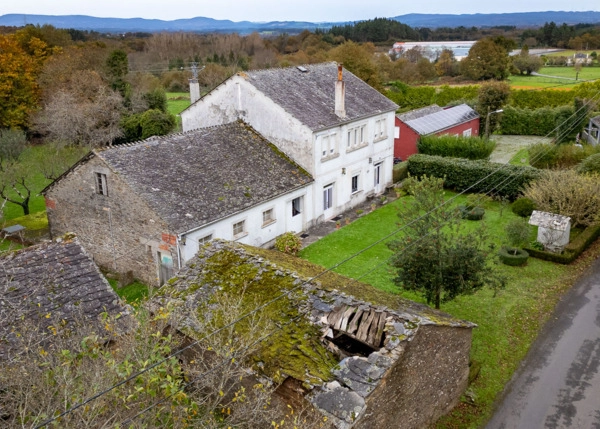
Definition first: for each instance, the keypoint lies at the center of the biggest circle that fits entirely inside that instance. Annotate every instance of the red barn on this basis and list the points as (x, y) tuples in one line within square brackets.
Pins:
[(458, 120)]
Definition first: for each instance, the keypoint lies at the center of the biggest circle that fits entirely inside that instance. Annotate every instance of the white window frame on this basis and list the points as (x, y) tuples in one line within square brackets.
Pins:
[(205, 239), (381, 129), (357, 137), (354, 189), (297, 208), (329, 146), (467, 133), (241, 233), (327, 196), (101, 184), (270, 218)]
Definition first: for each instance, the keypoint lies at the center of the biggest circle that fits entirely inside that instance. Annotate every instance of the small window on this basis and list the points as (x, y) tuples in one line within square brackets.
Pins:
[(203, 240), (239, 228), (329, 145), (355, 183), (467, 133), (296, 206), (380, 129), (328, 197), (101, 187), (268, 217)]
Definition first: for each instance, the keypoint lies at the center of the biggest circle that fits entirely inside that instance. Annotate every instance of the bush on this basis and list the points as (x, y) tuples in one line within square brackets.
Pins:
[(400, 172), (471, 213), (527, 99), (289, 243), (590, 165), (476, 176), (554, 156), (456, 147), (517, 232), (523, 207), (567, 193), (512, 256)]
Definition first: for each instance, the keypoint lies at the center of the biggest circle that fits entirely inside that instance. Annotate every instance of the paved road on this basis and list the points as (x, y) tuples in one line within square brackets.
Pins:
[(558, 384)]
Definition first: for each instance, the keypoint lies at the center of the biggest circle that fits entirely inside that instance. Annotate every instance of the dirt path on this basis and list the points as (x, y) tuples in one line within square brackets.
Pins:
[(508, 146)]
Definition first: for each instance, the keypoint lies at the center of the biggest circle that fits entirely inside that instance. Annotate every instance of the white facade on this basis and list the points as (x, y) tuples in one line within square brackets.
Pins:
[(349, 162), (257, 226)]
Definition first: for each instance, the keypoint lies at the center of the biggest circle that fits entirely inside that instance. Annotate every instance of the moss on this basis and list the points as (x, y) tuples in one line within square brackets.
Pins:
[(32, 222)]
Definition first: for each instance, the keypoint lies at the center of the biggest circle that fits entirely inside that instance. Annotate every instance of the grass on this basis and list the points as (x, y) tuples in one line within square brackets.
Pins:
[(176, 103), (520, 158), (133, 293), (507, 323), (566, 76)]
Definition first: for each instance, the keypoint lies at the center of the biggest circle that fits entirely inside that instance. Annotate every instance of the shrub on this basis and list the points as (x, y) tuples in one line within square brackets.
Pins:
[(289, 243), (554, 156), (523, 207), (527, 99), (567, 193), (471, 213), (476, 176), (572, 250), (517, 232), (456, 147), (400, 172), (513, 256), (590, 165)]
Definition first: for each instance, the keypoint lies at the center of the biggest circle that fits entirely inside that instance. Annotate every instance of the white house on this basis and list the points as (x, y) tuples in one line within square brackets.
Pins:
[(333, 124)]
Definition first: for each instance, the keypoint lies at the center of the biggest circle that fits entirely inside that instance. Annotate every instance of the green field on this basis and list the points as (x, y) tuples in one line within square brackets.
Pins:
[(565, 78), (506, 323)]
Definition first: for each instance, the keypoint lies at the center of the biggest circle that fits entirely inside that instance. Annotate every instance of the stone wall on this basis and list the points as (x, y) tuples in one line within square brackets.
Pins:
[(119, 230), (425, 383)]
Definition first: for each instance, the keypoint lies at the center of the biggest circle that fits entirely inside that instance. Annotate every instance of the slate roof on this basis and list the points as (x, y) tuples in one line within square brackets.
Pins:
[(52, 282), (309, 95), (194, 178), (442, 120)]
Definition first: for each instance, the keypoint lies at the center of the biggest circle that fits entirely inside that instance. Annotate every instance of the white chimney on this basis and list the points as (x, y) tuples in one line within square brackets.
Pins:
[(194, 90), (340, 95)]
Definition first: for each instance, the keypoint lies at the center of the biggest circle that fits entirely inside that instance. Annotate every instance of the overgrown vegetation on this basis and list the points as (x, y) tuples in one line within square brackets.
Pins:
[(553, 156)]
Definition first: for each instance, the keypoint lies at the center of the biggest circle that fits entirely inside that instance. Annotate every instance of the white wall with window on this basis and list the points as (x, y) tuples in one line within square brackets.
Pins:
[(257, 226)]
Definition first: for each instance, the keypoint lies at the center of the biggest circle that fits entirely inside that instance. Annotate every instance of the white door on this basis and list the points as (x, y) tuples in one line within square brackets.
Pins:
[(328, 201), (295, 215), (377, 178)]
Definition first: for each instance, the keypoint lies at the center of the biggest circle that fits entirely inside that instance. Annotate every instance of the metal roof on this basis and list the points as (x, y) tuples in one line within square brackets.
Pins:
[(439, 121)]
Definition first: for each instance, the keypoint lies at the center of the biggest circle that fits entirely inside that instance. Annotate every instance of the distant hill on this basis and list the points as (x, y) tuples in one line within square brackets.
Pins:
[(523, 19), (202, 24)]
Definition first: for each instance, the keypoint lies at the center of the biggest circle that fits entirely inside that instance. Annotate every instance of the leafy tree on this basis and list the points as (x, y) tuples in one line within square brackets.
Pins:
[(517, 233), (491, 97), (436, 257), (12, 144), (19, 90), (150, 123), (446, 64), (486, 60), (117, 66), (526, 63), (359, 60)]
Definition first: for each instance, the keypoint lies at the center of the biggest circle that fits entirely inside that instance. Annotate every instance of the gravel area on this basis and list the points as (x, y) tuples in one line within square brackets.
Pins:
[(508, 146)]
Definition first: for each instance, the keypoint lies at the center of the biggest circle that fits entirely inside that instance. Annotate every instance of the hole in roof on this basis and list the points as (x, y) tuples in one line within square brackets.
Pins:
[(351, 345), (302, 69)]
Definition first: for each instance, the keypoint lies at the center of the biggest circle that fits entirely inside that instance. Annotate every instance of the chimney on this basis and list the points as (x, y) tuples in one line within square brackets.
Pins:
[(194, 85), (340, 94)]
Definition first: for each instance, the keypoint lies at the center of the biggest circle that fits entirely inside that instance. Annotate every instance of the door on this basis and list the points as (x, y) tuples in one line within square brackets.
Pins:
[(328, 201), (377, 178)]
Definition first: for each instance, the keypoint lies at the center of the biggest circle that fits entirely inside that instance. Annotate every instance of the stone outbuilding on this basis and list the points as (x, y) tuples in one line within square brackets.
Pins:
[(49, 285), (147, 207), (361, 357), (553, 230)]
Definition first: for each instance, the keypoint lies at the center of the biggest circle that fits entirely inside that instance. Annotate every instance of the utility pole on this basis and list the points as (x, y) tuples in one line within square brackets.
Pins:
[(487, 121)]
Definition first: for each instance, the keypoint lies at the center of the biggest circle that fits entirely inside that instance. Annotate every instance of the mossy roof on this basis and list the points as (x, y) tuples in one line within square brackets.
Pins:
[(278, 286)]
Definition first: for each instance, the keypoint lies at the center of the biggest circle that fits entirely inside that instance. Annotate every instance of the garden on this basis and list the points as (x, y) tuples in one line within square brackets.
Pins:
[(507, 320)]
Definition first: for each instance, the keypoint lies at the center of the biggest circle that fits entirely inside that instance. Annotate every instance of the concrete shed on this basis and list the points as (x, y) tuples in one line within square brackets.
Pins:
[(553, 230)]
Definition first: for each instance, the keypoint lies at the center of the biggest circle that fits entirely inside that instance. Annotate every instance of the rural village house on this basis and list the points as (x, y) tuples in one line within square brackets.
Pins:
[(388, 363), (410, 126), (330, 122), (49, 285), (147, 207)]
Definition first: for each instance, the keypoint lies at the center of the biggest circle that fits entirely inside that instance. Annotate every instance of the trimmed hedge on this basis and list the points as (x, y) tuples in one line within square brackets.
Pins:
[(535, 99), (572, 250), (509, 258), (537, 122), (456, 147), (477, 176), (590, 165), (400, 172)]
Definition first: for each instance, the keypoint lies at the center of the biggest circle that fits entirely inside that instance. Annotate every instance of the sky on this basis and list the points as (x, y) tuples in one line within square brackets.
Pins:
[(281, 10)]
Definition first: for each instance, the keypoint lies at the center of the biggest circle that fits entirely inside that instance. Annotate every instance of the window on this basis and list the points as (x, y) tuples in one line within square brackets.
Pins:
[(355, 183), (239, 229), (296, 206), (328, 197), (329, 145), (203, 240), (467, 133), (268, 217), (356, 136), (380, 129), (101, 187)]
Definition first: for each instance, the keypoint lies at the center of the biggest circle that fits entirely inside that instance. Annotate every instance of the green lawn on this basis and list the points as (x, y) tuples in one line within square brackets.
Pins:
[(176, 103), (133, 293), (520, 158), (567, 73), (507, 323)]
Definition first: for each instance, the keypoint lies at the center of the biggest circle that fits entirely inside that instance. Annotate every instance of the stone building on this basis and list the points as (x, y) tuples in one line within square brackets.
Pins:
[(147, 207), (361, 357)]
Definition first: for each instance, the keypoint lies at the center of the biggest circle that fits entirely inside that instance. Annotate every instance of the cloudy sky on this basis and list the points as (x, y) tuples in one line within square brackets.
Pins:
[(281, 10)]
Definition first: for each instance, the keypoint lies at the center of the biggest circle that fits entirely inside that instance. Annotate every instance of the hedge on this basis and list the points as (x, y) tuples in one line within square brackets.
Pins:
[(456, 147), (477, 176), (537, 122), (535, 99), (414, 97), (400, 172), (572, 250)]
